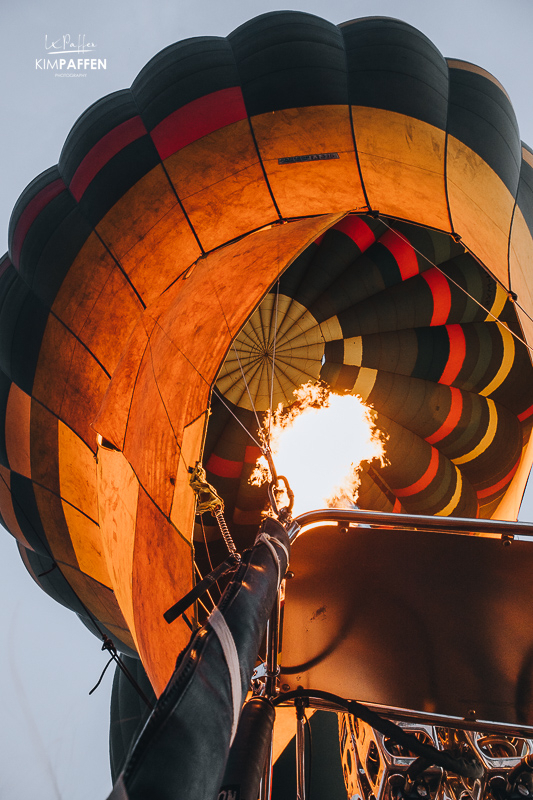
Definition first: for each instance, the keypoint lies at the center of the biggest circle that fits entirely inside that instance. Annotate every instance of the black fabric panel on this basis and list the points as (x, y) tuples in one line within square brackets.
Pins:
[(27, 513), (525, 192), (289, 59), (92, 126), (481, 116), (54, 582), (51, 245), (433, 351), (182, 73), (32, 189), (128, 714), (117, 176), (23, 320), (395, 67), (5, 386)]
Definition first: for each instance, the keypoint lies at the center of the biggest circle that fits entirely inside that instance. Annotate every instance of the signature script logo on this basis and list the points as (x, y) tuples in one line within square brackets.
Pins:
[(68, 44)]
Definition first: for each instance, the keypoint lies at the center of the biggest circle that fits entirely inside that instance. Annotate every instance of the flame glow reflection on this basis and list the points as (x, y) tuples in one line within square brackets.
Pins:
[(319, 444)]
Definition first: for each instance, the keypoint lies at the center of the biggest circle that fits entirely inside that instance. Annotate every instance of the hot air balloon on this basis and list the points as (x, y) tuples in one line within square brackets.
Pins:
[(296, 202)]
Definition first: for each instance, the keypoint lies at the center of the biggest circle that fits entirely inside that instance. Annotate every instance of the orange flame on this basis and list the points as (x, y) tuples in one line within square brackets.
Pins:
[(319, 444)]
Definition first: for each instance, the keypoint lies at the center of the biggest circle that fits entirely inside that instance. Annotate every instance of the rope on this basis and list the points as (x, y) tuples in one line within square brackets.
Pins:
[(273, 362)]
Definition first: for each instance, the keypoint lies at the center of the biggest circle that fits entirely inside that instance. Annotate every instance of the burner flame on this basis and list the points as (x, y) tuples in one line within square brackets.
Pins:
[(319, 444)]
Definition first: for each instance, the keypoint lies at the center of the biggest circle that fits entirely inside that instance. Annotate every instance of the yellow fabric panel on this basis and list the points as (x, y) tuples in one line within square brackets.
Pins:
[(310, 187), (161, 255), (162, 574), (8, 512), (364, 383), (402, 163), (184, 500), (481, 207), (521, 269), (452, 505), (143, 206), (510, 503), (17, 430), (487, 439), (118, 490), (77, 472), (87, 542), (507, 362), (98, 599), (221, 184)]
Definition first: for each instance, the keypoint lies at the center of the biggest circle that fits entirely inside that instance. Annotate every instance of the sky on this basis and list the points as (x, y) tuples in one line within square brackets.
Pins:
[(53, 739)]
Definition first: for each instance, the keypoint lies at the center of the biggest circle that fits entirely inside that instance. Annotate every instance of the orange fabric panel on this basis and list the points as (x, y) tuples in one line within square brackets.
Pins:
[(481, 207), (120, 391), (221, 185), (402, 163), (184, 500), (8, 512), (97, 303), (69, 380), (161, 255), (53, 367), (310, 187), (162, 574), (98, 599), (17, 430), (150, 444), (55, 525), (143, 206), (43, 439), (118, 489), (77, 472)]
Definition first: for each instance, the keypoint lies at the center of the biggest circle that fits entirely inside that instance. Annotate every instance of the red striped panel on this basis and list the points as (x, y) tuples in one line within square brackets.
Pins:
[(442, 296), (525, 414), (357, 230), (223, 467), (252, 453), (425, 480), (197, 119), (457, 354), (103, 151), (403, 253), (32, 210), (454, 415), (500, 485)]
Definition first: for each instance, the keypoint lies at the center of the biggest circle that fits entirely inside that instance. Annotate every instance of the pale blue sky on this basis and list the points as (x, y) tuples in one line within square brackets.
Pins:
[(53, 740)]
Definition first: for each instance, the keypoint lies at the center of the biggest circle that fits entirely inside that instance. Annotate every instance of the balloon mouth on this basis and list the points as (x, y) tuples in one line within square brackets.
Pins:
[(404, 321)]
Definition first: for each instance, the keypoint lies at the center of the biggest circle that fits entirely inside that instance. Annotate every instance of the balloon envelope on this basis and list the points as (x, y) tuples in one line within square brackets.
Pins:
[(388, 191)]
